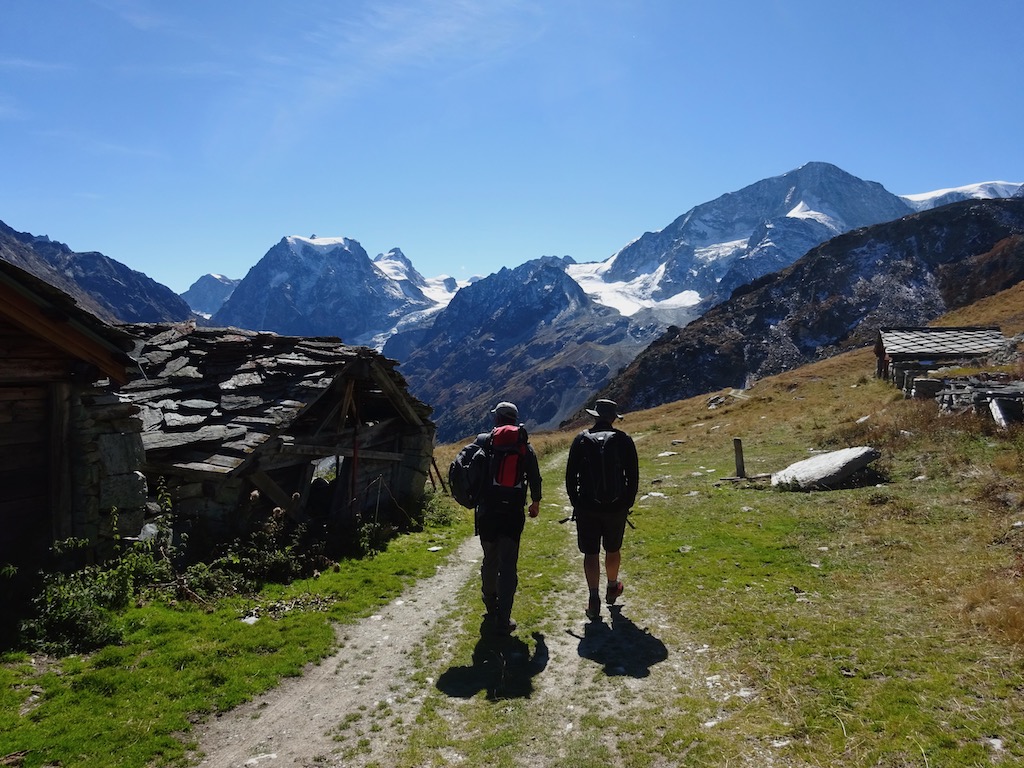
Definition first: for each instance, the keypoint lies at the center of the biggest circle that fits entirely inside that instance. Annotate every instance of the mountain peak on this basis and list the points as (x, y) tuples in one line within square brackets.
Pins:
[(208, 294)]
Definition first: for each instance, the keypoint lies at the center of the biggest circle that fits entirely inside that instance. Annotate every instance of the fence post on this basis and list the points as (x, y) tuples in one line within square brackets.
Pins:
[(737, 446)]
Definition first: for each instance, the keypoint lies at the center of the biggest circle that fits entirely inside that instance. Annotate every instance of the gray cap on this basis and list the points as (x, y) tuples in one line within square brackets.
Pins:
[(606, 410), (505, 410)]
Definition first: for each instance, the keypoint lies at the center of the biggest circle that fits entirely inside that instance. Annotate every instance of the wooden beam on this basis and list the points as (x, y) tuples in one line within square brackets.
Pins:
[(265, 483), (323, 451), (66, 335), (61, 491), (397, 397)]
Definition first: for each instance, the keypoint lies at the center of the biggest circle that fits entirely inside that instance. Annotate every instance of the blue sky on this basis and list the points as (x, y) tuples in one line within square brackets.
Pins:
[(189, 137)]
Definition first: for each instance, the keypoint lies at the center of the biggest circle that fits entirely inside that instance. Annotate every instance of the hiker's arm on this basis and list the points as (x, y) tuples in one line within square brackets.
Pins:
[(533, 475), (572, 473), (632, 467)]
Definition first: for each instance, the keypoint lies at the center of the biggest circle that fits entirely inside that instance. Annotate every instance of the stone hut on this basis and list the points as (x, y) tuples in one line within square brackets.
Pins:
[(905, 353), (70, 446), (239, 425)]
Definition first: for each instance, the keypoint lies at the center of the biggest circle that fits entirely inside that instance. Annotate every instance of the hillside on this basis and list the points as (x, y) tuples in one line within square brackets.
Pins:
[(906, 272)]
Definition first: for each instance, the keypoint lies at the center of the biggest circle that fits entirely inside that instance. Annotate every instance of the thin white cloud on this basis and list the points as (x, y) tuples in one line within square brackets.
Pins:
[(386, 40), (394, 35), (11, 113), (101, 147), (141, 14), (30, 65)]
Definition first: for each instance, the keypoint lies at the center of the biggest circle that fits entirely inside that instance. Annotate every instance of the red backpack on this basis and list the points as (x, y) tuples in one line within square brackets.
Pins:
[(507, 488)]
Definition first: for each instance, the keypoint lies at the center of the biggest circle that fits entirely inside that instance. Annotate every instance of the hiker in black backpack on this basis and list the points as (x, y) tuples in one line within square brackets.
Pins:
[(601, 478), (500, 513)]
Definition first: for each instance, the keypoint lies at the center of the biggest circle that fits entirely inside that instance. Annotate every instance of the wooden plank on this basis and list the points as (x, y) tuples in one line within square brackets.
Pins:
[(22, 393), (398, 398), (22, 370), (298, 449), (61, 490), (22, 433), (66, 334), (265, 483), (196, 469)]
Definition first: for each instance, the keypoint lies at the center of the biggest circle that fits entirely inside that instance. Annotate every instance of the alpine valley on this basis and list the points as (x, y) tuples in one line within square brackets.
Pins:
[(789, 269)]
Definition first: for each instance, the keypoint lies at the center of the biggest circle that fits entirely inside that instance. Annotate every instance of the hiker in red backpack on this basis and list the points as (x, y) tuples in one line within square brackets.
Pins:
[(500, 514), (601, 478)]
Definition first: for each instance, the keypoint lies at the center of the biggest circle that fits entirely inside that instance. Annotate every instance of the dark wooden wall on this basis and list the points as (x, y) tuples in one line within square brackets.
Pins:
[(33, 423)]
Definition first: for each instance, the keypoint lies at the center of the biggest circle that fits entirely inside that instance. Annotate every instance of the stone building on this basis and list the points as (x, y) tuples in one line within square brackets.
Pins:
[(239, 425)]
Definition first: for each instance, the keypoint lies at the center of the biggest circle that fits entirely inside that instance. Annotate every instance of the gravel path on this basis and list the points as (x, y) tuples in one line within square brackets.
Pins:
[(294, 725)]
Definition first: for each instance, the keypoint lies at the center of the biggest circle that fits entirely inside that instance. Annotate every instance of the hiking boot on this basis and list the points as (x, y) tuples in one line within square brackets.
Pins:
[(593, 610), (613, 592)]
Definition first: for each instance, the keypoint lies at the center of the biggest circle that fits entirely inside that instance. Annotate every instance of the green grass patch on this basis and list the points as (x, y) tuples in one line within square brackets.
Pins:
[(133, 703)]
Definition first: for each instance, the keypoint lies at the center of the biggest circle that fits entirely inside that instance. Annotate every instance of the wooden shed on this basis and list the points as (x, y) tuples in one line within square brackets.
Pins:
[(236, 424), (903, 353), (70, 447)]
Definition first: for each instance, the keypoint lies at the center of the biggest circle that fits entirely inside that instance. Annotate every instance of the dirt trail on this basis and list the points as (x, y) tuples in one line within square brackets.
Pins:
[(332, 714), (293, 724)]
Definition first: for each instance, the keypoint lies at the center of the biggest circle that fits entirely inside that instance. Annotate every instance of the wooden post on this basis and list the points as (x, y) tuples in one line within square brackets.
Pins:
[(737, 446)]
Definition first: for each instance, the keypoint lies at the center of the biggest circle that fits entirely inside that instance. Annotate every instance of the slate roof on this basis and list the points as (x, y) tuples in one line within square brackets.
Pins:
[(212, 398), (927, 343)]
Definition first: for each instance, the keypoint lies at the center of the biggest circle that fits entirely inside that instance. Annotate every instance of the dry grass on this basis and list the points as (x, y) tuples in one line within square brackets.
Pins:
[(997, 605), (1005, 309)]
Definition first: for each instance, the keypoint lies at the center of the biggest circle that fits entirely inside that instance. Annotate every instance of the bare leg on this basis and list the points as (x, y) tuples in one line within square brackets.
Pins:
[(592, 570), (611, 564)]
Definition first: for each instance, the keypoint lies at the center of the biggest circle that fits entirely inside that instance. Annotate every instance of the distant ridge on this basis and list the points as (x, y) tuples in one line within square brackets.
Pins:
[(905, 272), (99, 284)]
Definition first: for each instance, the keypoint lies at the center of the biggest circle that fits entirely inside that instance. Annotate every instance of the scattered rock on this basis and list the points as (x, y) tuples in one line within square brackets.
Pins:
[(827, 470)]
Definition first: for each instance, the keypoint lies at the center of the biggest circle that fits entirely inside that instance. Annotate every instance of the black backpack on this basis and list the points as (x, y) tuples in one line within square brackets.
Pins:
[(468, 473), (603, 476)]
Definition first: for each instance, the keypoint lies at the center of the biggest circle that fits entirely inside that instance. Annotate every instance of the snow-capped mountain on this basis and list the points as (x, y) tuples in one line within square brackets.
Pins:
[(717, 246), (439, 290), (530, 334), (668, 277), (988, 190), (458, 344), (836, 297), (327, 287)]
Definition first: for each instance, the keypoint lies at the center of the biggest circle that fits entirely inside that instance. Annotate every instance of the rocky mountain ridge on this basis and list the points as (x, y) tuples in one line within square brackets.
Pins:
[(320, 287), (107, 288), (528, 334), (551, 340), (208, 294), (906, 272)]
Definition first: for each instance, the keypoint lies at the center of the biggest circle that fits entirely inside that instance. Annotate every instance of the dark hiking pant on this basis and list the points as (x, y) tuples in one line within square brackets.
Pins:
[(499, 575)]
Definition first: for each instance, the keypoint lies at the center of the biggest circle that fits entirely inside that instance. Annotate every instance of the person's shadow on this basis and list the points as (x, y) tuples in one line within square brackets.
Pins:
[(502, 666), (621, 647)]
